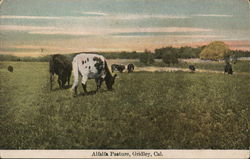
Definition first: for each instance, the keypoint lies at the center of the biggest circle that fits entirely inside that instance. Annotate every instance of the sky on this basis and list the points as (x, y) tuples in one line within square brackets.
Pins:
[(42, 27)]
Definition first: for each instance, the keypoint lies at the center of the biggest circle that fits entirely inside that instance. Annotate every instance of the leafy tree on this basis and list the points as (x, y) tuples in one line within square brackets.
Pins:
[(170, 57), (215, 51), (147, 57)]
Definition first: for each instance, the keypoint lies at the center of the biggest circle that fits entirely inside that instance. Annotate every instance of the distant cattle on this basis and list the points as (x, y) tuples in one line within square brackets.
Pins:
[(61, 66), (192, 68), (228, 68), (130, 68), (91, 66), (10, 69), (116, 67)]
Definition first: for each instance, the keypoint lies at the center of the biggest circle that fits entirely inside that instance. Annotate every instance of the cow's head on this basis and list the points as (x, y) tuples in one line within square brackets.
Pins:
[(110, 81)]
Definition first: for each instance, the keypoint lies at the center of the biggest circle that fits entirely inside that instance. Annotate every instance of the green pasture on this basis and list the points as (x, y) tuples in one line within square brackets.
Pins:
[(161, 110)]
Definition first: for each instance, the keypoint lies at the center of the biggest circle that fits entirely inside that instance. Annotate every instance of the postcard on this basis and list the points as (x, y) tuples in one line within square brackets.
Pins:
[(124, 78)]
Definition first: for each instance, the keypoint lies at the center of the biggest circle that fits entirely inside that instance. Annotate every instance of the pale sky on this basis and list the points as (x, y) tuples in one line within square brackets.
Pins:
[(69, 26)]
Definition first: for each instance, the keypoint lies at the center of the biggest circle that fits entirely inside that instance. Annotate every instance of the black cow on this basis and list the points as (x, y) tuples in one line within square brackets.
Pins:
[(10, 68), (228, 68), (130, 68), (192, 68), (61, 66), (116, 67)]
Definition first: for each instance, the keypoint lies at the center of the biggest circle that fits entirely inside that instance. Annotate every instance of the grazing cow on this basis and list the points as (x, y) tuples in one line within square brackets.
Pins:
[(10, 68), (192, 68), (228, 68), (91, 66), (130, 68), (61, 66), (116, 67)]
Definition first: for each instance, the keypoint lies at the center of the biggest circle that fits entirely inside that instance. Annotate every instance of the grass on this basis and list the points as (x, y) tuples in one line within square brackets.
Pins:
[(146, 110)]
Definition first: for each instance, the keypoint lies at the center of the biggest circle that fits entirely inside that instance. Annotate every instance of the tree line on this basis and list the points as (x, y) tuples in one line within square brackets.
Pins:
[(216, 50), (167, 54)]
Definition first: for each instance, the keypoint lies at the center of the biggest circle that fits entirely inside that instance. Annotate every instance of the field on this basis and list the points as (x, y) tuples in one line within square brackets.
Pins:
[(149, 110)]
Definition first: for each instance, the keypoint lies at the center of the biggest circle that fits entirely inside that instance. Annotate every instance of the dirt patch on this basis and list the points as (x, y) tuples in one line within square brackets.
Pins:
[(121, 61), (172, 69)]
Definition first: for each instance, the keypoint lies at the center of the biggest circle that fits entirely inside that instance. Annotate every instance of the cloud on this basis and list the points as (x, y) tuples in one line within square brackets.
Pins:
[(28, 17), (144, 16), (213, 15), (174, 29), (197, 36), (45, 47), (94, 14), (34, 47), (108, 49), (98, 30), (127, 16), (22, 54), (43, 17), (239, 43), (68, 32), (23, 28), (110, 31)]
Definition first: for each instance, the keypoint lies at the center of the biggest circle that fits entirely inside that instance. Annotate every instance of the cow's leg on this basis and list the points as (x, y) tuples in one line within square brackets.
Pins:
[(84, 88), (84, 81), (74, 87), (51, 80), (74, 91), (64, 79), (69, 74), (76, 78), (59, 80), (98, 83)]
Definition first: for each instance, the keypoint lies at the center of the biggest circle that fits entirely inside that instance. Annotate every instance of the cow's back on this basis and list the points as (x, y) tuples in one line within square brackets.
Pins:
[(59, 64), (90, 65)]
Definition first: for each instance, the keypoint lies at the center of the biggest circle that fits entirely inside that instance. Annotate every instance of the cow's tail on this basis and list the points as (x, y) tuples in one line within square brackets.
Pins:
[(75, 73)]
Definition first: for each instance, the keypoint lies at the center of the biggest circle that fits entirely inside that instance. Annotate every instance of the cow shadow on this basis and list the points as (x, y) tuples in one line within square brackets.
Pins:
[(89, 93), (58, 88), (67, 87)]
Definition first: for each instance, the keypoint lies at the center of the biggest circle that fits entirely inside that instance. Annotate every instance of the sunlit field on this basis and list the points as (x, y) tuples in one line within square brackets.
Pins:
[(149, 110)]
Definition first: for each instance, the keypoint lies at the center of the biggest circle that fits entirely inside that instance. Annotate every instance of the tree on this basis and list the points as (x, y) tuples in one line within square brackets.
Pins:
[(147, 57), (169, 57), (215, 51)]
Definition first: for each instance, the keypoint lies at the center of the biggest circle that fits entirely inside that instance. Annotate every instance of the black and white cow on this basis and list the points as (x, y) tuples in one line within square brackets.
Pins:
[(130, 68), (61, 66), (228, 68), (91, 66), (117, 67)]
